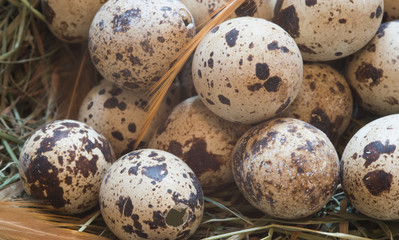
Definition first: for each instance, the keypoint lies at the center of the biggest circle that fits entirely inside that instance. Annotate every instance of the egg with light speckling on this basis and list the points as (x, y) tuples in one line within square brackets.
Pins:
[(133, 42), (247, 70), (370, 169), (286, 168), (326, 30), (63, 162), (151, 194)]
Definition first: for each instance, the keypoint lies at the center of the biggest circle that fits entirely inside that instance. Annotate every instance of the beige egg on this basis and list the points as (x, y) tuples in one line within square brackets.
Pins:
[(63, 162), (247, 70), (373, 71), (201, 139), (202, 10), (391, 10), (325, 100), (133, 42), (151, 194), (326, 30), (370, 169), (70, 20), (119, 114), (286, 168)]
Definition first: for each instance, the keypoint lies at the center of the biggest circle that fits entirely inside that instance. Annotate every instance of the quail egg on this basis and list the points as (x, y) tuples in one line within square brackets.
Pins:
[(247, 70), (285, 167), (63, 163), (133, 42), (151, 194)]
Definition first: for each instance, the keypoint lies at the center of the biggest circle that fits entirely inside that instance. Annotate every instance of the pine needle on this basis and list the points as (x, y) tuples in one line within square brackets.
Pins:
[(18, 221), (161, 87)]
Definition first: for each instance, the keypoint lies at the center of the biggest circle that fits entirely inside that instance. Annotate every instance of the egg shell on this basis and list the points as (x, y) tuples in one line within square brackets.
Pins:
[(286, 168), (119, 114), (202, 10), (325, 100), (142, 193), (63, 163), (247, 70), (201, 139), (326, 30), (370, 170), (70, 20), (133, 42), (391, 10), (373, 71)]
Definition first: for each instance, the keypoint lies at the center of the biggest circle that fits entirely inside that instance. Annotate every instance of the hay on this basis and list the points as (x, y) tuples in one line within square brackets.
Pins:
[(40, 79)]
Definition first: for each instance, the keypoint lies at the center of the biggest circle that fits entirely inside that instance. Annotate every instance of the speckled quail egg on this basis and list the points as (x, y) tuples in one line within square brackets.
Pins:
[(151, 194), (370, 169), (373, 71), (391, 10), (119, 114), (202, 10), (247, 70), (63, 163), (201, 139), (133, 42), (70, 20), (325, 100), (327, 30), (285, 167)]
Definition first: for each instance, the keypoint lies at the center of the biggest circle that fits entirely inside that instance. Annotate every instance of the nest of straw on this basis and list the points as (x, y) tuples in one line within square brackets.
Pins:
[(42, 79)]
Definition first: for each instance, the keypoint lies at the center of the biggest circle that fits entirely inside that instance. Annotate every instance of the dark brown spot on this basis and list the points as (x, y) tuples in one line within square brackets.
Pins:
[(378, 12), (341, 87), (312, 86), (231, 37), (305, 49), (224, 100), (90, 105), (135, 60), (338, 54), (210, 62), (372, 151), (368, 71), (287, 18), (310, 3), (161, 39), (215, 29), (342, 20), (121, 23), (146, 46), (134, 169), (117, 135), (272, 84), (377, 182), (156, 173), (132, 127), (48, 12), (175, 148), (255, 87), (119, 56), (111, 103), (209, 101), (283, 106), (125, 206), (262, 71), (86, 166), (248, 8)]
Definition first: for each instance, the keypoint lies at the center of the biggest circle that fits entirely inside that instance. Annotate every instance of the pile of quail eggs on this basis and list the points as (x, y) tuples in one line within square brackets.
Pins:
[(259, 104)]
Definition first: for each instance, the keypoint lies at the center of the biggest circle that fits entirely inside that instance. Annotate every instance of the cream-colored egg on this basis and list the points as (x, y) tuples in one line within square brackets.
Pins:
[(151, 194), (391, 10), (247, 70), (119, 114), (373, 71), (286, 168), (201, 139), (325, 100), (370, 169), (70, 20), (63, 162), (326, 30), (133, 42)]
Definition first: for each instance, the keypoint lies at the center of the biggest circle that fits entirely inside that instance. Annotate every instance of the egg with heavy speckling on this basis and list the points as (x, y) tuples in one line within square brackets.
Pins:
[(247, 70), (326, 30), (325, 100), (201, 139), (70, 20), (133, 42), (203, 10), (151, 194), (63, 163), (370, 169), (373, 71), (119, 114), (285, 167)]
